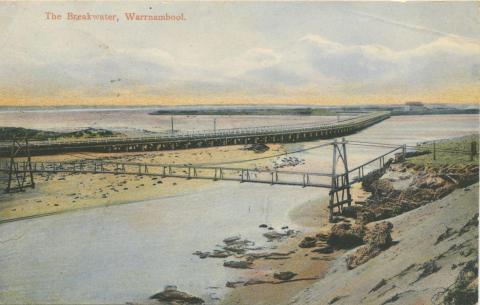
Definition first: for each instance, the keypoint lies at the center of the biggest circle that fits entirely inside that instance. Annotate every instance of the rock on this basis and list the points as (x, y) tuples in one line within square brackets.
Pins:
[(172, 295), (263, 226), (201, 254), (324, 250), (284, 227), (361, 256), (350, 211), (346, 235), (274, 235), (258, 148), (233, 284), (238, 264), (239, 249), (322, 236), (284, 275), (380, 235), (220, 254), (238, 246), (377, 240), (230, 240), (308, 242)]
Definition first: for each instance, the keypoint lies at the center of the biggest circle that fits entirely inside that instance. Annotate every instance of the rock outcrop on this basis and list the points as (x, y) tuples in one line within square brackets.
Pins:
[(170, 295), (346, 235), (429, 184), (376, 240)]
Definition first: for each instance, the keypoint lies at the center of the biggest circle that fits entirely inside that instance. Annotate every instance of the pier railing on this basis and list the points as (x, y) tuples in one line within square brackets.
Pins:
[(351, 123), (282, 177)]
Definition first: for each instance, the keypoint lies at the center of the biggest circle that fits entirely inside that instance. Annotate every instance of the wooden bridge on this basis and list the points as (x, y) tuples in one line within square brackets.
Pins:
[(208, 138), (339, 182)]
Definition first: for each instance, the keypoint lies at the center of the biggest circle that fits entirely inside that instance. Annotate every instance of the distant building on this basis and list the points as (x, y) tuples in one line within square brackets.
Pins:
[(414, 106)]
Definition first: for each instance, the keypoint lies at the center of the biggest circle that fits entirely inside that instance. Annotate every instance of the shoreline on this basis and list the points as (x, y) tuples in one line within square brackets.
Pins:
[(310, 267), (285, 295)]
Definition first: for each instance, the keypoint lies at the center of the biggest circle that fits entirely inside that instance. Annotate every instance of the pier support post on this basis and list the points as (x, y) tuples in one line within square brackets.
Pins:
[(333, 186), (345, 165), (342, 184), (14, 173)]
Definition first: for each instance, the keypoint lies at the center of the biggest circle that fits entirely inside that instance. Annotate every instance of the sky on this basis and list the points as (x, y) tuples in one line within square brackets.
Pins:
[(321, 53)]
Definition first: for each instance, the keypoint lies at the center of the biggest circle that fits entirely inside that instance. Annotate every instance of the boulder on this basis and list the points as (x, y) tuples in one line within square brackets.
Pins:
[(377, 239), (220, 254), (237, 245), (171, 295), (201, 254), (284, 275), (230, 240), (365, 216), (346, 235), (350, 211), (258, 147), (274, 235), (380, 235), (238, 264), (324, 250), (308, 242), (361, 256)]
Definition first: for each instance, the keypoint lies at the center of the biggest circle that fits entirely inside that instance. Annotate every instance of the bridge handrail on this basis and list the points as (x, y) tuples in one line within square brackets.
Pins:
[(5, 166), (251, 131), (373, 160)]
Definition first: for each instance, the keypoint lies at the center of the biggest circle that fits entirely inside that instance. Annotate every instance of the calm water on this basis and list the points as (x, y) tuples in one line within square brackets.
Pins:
[(126, 253), (133, 121)]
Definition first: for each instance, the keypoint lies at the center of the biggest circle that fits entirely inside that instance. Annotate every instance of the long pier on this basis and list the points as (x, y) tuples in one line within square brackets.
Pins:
[(208, 138)]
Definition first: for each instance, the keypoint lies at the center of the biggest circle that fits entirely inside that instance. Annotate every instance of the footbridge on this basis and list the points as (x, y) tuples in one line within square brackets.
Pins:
[(206, 138), (338, 180)]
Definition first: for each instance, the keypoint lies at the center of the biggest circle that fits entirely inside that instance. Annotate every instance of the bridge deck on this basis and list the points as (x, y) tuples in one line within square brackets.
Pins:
[(338, 183), (195, 139), (310, 179)]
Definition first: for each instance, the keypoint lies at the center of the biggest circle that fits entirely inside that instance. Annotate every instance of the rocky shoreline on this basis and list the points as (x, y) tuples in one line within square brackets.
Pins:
[(394, 190), (391, 196), (360, 233)]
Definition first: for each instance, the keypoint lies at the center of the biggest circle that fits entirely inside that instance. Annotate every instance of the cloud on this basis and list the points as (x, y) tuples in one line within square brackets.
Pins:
[(310, 65), (314, 61)]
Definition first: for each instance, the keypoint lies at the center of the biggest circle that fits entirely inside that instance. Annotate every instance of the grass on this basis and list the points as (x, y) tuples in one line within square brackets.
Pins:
[(448, 151)]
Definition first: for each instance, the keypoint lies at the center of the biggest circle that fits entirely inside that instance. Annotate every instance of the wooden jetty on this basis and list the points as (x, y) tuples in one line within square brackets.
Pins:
[(338, 181), (208, 138)]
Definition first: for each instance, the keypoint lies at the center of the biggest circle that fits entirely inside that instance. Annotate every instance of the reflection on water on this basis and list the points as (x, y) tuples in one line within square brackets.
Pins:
[(126, 253)]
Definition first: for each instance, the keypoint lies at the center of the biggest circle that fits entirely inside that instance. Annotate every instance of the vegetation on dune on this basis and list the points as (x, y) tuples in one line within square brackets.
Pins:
[(449, 151), (9, 133)]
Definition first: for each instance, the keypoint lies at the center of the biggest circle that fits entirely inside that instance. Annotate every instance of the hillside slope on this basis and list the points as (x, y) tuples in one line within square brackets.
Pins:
[(434, 244)]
